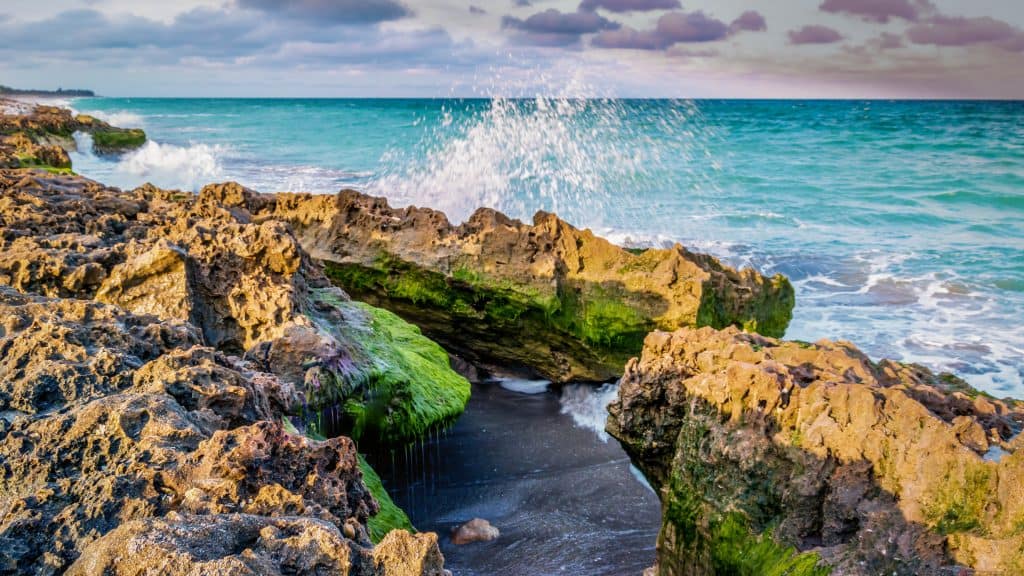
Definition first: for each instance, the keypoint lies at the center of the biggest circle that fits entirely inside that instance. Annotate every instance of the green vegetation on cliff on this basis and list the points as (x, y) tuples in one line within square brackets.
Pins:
[(390, 517)]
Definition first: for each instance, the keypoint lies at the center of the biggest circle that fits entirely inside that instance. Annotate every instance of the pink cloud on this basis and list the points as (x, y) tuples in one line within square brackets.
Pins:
[(880, 11), (751, 20), (629, 5), (814, 34), (960, 31)]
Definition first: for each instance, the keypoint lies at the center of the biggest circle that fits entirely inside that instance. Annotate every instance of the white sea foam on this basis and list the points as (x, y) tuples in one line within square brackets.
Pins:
[(641, 478), (120, 118), (524, 386), (165, 165), (170, 166), (316, 179), (588, 405)]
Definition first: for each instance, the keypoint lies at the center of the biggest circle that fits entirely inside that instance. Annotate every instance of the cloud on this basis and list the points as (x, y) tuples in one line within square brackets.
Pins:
[(959, 31), (552, 21), (889, 41), (334, 11), (245, 39), (629, 5), (814, 34), (473, 9), (751, 21), (553, 28), (691, 27), (880, 11), (676, 28)]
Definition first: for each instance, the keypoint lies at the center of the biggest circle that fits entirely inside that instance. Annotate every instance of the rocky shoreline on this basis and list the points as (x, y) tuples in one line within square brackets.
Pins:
[(190, 375)]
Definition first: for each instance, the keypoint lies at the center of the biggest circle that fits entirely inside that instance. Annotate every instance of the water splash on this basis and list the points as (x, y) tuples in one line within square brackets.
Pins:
[(165, 165), (567, 150), (588, 405)]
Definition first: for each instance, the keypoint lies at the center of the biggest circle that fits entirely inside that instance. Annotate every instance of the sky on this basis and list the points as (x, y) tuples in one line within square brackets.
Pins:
[(595, 48)]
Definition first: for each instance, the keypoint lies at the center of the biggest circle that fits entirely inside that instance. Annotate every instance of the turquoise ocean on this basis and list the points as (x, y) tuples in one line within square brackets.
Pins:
[(901, 224)]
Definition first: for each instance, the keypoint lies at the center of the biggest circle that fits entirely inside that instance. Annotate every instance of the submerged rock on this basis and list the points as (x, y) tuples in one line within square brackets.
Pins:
[(547, 296), (476, 530), (787, 457), (153, 346)]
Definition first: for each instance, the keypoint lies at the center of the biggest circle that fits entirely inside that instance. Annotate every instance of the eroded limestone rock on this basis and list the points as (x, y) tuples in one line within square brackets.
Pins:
[(547, 296), (152, 346), (757, 445)]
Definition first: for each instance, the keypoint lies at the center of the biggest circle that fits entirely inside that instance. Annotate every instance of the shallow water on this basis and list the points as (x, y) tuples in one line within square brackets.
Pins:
[(565, 501), (901, 224)]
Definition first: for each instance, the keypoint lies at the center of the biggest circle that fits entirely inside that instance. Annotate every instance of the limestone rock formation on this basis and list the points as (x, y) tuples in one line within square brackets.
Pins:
[(40, 137), (795, 457), (547, 296), (155, 348), (229, 544), (405, 554)]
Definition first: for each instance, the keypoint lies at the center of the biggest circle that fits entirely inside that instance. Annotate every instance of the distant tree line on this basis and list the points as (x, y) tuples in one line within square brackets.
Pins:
[(7, 90)]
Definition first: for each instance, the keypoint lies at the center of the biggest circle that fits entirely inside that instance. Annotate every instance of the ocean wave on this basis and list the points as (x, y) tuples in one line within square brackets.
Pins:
[(306, 178), (120, 118), (170, 166)]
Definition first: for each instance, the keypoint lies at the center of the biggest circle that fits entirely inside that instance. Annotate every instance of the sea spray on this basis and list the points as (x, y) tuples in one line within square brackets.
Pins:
[(169, 166), (588, 405), (566, 150), (186, 167)]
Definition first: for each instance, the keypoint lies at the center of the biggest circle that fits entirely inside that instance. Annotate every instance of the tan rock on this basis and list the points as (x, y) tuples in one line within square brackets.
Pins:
[(562, 301), (476, 530), (403, 554), (877, 468)]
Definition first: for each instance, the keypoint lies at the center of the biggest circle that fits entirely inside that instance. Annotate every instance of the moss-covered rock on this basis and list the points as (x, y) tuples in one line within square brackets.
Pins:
[(115, 140), (775, 457), (389, 386), (546, 296), (389, 517)]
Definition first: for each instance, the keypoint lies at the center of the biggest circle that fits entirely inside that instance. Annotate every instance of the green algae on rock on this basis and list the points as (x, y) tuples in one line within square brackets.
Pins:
[(392, 384), (815, 457), (42, 137), (389, 517), (547, 296), (114, 140)]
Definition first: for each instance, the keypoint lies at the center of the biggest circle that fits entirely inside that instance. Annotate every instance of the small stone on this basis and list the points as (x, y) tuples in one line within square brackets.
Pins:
[(476, 530)]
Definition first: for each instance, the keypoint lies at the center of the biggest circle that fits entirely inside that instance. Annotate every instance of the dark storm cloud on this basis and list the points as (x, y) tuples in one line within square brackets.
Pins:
[(629, 5), (677, 28), (333, 11), (814, 34), (476, 10), (959, 31), (880, 11)]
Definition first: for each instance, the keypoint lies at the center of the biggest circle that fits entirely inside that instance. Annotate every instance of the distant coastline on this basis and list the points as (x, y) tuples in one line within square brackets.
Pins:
[(60, 92)]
